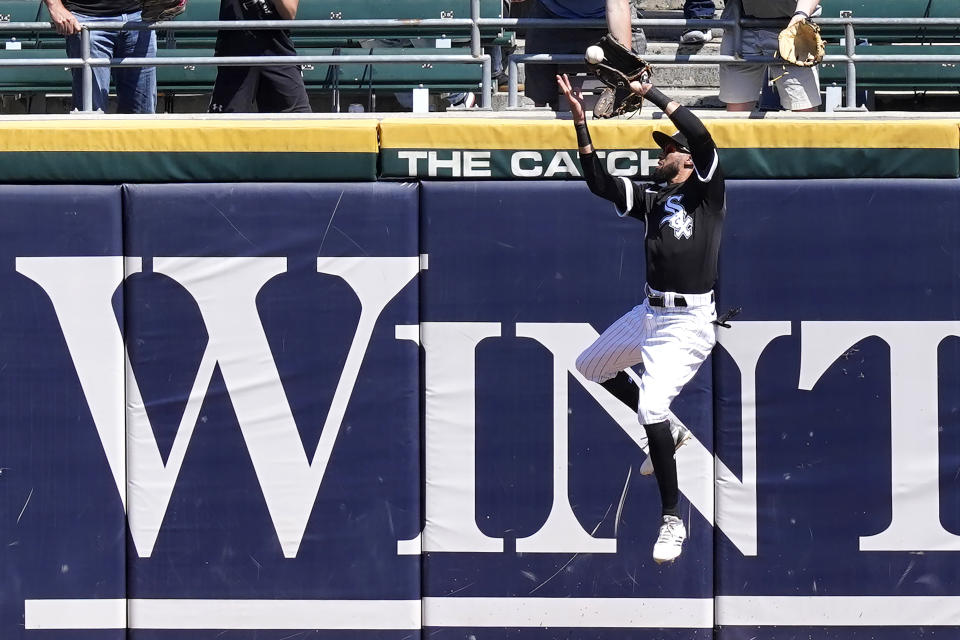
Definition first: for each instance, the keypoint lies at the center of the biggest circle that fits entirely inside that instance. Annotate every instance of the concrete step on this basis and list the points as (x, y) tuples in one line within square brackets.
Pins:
[(711, 48), (669, 34), (686, 75), (696, 97)]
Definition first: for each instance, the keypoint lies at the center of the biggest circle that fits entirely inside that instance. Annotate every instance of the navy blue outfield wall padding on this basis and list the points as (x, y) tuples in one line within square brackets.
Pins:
[(849, 332), (250, 410), (60, 507), (521, 278)]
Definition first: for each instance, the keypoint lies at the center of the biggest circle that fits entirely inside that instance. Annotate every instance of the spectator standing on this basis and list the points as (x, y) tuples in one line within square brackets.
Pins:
[(272, 89), (698, 9), (541, 84), (740, 83), (136, 86)]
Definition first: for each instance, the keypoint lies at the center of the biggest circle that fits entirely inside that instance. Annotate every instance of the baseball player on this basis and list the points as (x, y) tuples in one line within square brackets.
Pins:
[(672, 332)]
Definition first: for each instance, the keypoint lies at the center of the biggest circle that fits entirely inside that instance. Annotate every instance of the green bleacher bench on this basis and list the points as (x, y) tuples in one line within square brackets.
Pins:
[(436, 76), (318, 77), (894, 9), (200, 10), (895, 76), (34, 79), (323, 77), (411, 10), (27, 11)]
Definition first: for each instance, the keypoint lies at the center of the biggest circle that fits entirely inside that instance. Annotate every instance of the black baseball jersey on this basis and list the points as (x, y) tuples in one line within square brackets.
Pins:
[(684, 222), (102, 8), (252, 43)]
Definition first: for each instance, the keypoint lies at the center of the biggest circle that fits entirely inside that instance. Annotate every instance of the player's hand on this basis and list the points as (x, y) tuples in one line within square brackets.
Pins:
[(574, 99), (795, 19), (640, 88), (65, 23)]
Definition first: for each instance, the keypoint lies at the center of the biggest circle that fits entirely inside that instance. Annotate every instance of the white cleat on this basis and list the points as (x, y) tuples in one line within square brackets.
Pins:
[(681, 436), (670, 541)]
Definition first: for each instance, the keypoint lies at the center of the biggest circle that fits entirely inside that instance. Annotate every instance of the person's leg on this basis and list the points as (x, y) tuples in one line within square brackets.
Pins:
[(660, 442), (540, 83), (281, 90), (623, 389), (136, 86), (680, 341), (740, 83), (234, 90), (101, 46), (799, 88), (616, 349)]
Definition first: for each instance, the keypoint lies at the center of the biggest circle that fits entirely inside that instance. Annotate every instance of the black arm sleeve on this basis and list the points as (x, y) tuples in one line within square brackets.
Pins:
[(702, 147), (602, 183)]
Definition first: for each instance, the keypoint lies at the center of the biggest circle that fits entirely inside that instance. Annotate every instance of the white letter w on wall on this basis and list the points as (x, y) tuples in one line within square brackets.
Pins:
[(225, 289)]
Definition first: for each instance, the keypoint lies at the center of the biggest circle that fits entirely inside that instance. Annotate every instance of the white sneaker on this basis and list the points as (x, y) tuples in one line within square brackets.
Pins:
[(681, 435), (697, 36), (670, 541)]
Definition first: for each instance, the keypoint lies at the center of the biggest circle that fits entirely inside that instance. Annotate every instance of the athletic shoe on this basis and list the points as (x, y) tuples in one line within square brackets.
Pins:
[(466, 100), (696, 36), (670, 541), (681, 435)]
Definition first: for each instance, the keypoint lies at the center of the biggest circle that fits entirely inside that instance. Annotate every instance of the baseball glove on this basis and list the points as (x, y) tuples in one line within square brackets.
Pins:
[(154, 10), (617, 70), (801, 44)]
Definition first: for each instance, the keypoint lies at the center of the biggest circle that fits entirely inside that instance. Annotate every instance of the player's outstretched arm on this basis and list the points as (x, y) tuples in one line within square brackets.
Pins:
[(598, 179), (702, 147)]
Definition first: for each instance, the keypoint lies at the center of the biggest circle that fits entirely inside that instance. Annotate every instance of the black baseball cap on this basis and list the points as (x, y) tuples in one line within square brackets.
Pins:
[(678, 140)]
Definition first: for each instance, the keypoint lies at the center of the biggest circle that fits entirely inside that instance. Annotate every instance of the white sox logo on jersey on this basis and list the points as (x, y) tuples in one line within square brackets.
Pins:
[(678, 218)]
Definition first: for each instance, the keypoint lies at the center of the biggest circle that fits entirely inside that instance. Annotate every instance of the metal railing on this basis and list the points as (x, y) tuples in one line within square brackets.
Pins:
[(86, 63), (474, 24), (734, 29)]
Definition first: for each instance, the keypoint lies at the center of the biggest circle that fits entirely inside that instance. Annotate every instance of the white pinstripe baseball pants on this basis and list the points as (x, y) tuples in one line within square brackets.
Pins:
[(671, 342)]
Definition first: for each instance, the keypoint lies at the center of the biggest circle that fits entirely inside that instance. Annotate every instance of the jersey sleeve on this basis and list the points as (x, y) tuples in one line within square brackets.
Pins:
[(706, 161), (621, 191)]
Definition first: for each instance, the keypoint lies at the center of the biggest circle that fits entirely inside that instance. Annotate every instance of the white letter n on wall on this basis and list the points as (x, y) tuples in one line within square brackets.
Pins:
[(914, 429)]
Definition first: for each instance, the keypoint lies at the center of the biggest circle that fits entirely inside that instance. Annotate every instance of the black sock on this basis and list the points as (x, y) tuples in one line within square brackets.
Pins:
[(623, 389), (662, 450)]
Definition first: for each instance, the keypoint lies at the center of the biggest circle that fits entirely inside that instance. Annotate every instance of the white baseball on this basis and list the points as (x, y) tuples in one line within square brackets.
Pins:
[(594, 54)]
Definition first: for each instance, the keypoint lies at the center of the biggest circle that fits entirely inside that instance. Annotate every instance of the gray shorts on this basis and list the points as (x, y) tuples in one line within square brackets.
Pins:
[(799, 87), (541, 82)]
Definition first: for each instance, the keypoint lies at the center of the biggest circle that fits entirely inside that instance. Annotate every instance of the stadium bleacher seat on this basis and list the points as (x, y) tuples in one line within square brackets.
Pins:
[(915, 76), (27, 11), (347, 36), (894, 9), (34, 79), (893, 40), (319, 77), (199, 10)]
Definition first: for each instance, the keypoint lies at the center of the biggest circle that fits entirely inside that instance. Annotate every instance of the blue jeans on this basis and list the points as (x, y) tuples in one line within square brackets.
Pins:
[(136, 86), (698, 9)]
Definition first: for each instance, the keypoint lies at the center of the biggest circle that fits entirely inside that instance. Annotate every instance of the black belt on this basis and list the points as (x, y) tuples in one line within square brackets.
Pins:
[(678, 300)]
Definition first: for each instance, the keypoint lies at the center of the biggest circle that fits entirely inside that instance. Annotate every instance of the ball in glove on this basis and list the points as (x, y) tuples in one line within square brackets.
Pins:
[(594, 55), (801, 44), (616, 66)]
